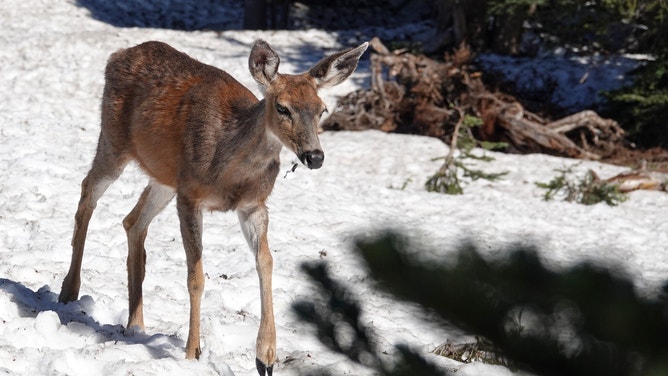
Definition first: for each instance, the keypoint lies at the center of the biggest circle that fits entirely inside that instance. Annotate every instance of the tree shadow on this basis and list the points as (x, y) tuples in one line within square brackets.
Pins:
[(222, 15), (304, 54), (168, 14), (30, 303)]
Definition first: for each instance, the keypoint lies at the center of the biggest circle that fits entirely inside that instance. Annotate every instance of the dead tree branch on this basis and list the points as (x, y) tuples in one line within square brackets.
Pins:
[(415, 94)]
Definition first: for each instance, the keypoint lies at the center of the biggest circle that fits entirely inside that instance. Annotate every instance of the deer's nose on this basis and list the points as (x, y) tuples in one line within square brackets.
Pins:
[(313, 159)]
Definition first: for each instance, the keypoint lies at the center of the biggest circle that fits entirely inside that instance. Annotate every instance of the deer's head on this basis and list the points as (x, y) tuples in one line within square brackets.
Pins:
[(292, 106)]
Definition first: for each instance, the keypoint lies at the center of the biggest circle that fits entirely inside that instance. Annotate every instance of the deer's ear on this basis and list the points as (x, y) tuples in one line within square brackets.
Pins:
[(263, 63), (334, 69)]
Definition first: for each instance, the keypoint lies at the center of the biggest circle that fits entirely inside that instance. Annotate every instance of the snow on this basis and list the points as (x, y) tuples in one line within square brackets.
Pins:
[(52, 55), (573, 82)]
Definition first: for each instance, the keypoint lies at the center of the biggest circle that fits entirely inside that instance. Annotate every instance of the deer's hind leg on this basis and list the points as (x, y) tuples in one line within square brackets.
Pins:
[(152, 201), (108, 165)]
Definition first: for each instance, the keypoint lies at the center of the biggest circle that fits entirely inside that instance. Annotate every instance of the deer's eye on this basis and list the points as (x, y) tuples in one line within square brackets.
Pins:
[(282, 110)]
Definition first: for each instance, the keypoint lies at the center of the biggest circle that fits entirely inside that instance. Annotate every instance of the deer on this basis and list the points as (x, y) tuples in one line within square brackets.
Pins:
[(204, 138)]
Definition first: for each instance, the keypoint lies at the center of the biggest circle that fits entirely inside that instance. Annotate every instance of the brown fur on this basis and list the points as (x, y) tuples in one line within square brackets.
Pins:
[(203, 137)]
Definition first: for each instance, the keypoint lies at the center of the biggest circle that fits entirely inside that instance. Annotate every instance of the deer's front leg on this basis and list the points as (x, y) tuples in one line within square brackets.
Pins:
[(254, 223), (190, 218)]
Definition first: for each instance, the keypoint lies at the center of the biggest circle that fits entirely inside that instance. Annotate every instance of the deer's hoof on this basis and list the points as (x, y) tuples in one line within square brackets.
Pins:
[(263, 369)]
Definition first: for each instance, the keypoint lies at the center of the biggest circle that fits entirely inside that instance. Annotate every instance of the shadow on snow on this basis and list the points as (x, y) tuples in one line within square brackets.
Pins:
[(201, 15), (167, 14), (30, 303)]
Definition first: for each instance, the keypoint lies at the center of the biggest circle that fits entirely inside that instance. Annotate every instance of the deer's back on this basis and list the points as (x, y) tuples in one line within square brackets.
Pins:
[(157, 100), (154, 77)]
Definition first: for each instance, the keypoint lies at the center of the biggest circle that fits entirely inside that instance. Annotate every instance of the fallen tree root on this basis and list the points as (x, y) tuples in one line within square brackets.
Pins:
[(419, 95)]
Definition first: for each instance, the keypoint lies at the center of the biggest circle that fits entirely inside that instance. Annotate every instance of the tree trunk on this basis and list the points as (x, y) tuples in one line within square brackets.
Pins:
[(255, 14), (279, 11)]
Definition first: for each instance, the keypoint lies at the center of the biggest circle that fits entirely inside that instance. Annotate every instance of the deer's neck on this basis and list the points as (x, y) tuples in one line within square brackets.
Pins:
[(244, 166), (254, 125)]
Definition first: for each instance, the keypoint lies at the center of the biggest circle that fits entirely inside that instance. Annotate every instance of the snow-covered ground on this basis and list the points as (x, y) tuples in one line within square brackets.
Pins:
[(574, 83), (52, 56)]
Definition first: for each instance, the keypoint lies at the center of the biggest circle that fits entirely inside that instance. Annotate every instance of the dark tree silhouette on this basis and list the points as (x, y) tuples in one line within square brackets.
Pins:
[(585, 320)]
